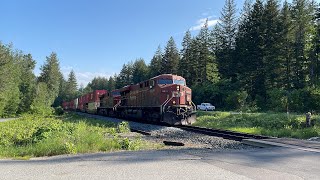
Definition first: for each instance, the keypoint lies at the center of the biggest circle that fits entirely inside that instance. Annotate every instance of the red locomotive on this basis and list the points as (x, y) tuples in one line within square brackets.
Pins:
[(109, 103), (87, 103), (164, 98)]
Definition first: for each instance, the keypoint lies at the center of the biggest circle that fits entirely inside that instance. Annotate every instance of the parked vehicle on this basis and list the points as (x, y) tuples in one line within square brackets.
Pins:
[(206, 107)]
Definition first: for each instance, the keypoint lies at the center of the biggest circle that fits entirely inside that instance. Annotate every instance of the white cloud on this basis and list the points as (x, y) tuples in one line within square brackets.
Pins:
[(201, 22), (83, 77)]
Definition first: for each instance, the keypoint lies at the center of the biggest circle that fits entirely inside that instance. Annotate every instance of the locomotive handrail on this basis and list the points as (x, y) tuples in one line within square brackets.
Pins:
[(165, 103), (195, 107), (118, 104)]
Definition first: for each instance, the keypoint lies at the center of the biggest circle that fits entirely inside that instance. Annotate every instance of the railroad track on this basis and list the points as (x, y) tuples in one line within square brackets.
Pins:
[(226, 134), (245, 138), (237, 136)]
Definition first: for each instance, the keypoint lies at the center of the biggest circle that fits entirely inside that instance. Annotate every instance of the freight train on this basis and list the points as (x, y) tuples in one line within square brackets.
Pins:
[(164, 98)]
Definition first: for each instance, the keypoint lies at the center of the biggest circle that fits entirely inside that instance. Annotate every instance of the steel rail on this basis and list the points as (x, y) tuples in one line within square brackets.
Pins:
[(237, 136)]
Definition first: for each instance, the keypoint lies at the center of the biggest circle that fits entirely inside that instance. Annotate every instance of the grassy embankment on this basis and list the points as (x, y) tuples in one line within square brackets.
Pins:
[(34, 136), (270, 124)]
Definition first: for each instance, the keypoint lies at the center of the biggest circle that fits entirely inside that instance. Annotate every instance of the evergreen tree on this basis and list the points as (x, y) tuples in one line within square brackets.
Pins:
[(171, 57), (184, 67), (241, 50), (111, 84), (140, 71), (125, 76), (71, 86), (250, 52), (28, 83), (245, 13), (285, 46), (214, 39), (204, 55), (193, 63), (315, 51), (226, 33), (155, 64), (62, 96), (241, 38), (317, 47), (302, 15), (51, 75), (87, 89), (98, 83), (206, 69), (272, 50), (9, 81)]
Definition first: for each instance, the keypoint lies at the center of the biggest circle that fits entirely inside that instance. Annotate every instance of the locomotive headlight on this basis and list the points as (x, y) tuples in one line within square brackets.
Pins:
[(190, 103), (173, 102), (178, 88)]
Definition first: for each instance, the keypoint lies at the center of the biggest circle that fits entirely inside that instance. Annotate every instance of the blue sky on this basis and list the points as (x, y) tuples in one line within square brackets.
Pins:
[(96, 37)]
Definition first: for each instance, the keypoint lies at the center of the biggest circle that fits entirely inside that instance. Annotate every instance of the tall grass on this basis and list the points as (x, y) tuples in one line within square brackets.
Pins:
[(270, 124), (33, 136)]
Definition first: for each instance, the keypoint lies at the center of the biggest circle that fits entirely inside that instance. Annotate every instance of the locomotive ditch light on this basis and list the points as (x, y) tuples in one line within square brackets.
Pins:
[(173, 102)]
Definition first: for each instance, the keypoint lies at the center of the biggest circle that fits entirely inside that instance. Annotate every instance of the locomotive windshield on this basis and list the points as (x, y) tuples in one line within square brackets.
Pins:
[(180, 82), (170, 81), (165, 81), (116, 93)]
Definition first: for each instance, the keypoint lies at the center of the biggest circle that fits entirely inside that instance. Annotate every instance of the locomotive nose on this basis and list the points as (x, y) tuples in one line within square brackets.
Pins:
[(185, 95)]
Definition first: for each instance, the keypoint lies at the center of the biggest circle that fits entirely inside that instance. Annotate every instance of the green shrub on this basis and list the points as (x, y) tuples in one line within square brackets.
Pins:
[(299, 100), (34, 135), (270, 124), (237, 100), (125, 143), (123, 127), (277, 100), (314, 104)]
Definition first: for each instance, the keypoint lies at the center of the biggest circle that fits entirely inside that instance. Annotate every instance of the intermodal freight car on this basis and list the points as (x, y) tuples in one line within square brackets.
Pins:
[(164, 98)]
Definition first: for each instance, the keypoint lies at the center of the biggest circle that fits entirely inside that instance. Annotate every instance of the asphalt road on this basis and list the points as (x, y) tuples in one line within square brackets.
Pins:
[(270, 163)]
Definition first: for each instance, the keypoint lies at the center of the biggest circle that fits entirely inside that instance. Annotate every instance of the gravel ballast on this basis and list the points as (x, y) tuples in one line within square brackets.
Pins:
[(189, 139)]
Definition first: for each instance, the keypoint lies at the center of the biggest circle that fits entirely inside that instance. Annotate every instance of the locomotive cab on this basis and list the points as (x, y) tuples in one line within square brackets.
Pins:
[(175, 98), (108, 103)]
